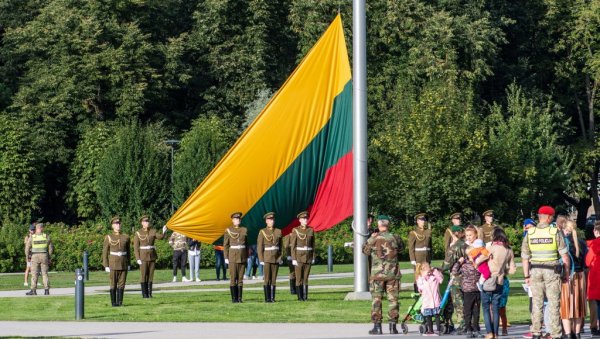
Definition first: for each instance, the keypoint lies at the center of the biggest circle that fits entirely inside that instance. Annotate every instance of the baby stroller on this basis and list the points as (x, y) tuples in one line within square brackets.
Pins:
[(413, 313), (446, 311)]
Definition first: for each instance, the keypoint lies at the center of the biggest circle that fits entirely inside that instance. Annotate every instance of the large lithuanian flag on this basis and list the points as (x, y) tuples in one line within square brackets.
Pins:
[(296, 155)]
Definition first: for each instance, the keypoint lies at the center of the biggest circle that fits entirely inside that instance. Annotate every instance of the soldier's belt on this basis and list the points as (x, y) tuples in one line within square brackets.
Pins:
[(422, 249), (271, 248), (305, 248), (146, 247), (33, 251), (237, 247), (118, 254)]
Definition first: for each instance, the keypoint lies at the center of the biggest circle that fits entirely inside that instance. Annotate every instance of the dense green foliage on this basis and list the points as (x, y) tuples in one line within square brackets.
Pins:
[(471, 104)]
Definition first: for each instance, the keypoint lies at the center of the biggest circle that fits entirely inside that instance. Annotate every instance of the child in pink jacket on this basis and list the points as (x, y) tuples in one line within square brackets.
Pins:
[(429, 286)]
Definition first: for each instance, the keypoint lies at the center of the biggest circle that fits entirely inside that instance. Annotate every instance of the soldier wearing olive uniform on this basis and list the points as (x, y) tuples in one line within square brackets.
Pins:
[(419, 245), (485, 231), (40, 248), (449, 237), (115, 259), (269, 254), (302, 243), (291, 267), (145, 253), (234, 249)]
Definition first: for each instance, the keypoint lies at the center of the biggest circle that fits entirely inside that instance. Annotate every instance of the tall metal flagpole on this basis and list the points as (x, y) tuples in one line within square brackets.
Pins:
[(359, 120)]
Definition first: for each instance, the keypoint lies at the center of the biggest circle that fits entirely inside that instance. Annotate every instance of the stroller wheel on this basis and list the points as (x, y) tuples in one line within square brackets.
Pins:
[(421, 329), (404, 328)]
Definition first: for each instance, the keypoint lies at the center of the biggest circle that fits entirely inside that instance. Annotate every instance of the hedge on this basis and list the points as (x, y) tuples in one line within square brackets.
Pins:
[(71, 242)]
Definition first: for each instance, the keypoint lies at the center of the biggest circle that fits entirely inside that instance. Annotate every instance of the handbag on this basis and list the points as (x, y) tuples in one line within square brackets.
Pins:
[(491, 283)]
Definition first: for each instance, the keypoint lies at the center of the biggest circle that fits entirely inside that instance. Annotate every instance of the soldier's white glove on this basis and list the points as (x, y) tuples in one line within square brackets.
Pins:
[(164, 228), (294, 262), (139, 262), (280, 262), (262, 263), (107, 269), (227, 261), (414, 263), (289, 258), (312, 262)]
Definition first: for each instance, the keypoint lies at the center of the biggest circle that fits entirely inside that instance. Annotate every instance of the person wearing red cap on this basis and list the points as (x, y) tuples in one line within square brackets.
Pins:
[(541, 251)]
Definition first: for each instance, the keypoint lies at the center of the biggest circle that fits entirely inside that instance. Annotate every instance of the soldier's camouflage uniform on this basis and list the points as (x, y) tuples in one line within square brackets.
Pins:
[(455, 252), (384, 249)]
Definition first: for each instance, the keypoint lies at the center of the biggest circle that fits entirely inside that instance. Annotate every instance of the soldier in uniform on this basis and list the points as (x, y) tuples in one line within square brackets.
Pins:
[(234, 248), (145, 253), (385, 248), (40, 248), (291, 267), (449, 237), (542, 248), (178, 242), (302, 245), (419, 245), (486, 230), (456, 250), (269, 254), (115, 259)]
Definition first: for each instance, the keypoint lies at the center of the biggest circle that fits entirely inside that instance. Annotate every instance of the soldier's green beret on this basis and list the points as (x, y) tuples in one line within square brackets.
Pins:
[(269, 215), (236, 215), (144, 218), (115, 220), (456, 215), (488, 212), (303, 214), (383, 217), (455, 228), (420, 215)]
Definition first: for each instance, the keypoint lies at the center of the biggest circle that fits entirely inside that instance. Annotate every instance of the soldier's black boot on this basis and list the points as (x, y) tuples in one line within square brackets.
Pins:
[(113, 297), (272, 293), (31, 292), (149, 290), (376, 329), (299, 292), (239, 294), (144, 292), (47, 291), (233, 290), (120, 292), (267, 292), (393, 329), (305, 293), (293, 286)]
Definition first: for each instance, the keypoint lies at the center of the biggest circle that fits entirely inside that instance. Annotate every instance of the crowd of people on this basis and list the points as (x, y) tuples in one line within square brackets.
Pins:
[(559, 268)]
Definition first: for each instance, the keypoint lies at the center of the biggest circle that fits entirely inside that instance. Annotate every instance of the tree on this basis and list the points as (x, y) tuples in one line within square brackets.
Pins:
[(133, 176), (201, 149)]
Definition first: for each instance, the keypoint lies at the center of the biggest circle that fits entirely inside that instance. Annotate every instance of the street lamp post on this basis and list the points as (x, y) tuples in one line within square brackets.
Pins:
[(172, 143)]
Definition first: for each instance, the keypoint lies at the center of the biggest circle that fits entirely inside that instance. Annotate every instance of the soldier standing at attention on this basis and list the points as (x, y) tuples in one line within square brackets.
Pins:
[(419, 245), (178, 242), (145, 253), (449, 236), (456, 250), (234, 248), (385, 248), (302, 243), (542, 248), (486, 230), (115, 259), (269, 254), (40, 248), (291, 267)]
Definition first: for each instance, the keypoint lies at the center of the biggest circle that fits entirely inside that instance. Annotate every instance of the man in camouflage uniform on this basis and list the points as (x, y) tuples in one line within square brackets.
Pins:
[(235, 241), (384, 248), (419, 245), (456, 250), (487, 228), (456, 219), (115, 259), (541, 250)]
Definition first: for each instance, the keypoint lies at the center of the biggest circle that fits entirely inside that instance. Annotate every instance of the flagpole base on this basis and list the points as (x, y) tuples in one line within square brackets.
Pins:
[(358, 296)]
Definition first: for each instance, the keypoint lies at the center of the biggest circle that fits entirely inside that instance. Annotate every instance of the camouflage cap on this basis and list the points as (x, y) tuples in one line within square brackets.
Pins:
[(115, 220), (456, 228), (421, 215), (488, 213), (144, 218), (456, 215), (303, 214), (236, 215), (383, 217), (269, 215)]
